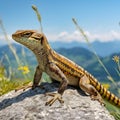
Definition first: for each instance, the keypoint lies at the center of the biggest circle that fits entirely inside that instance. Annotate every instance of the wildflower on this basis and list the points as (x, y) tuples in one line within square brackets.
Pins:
[(24, 69), (116, 58), (107, 86)]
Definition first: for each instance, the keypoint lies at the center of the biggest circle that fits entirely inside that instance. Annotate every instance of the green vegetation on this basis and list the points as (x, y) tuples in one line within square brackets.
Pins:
[(113, 110)]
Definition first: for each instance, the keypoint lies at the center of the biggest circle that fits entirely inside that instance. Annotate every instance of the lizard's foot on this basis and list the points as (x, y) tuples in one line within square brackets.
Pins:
[(98, 98), (24, 87), (56, 96)]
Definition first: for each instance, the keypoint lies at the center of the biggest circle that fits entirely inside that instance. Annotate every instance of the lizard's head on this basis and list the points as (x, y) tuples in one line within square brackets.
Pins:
[(29, 38)]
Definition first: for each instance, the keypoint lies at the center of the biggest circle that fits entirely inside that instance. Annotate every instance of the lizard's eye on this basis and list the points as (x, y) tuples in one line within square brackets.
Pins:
[(27, 34), (37, 37)]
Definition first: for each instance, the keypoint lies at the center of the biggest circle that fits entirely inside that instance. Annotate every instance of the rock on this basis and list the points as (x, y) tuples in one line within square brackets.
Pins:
[(30, 105)]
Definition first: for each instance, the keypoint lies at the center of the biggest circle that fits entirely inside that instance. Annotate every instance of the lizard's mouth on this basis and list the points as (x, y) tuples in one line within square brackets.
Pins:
[(14, 36), (22, 34)]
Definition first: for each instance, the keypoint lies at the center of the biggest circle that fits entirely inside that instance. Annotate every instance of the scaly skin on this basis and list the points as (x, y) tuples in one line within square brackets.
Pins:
[(61, 69)]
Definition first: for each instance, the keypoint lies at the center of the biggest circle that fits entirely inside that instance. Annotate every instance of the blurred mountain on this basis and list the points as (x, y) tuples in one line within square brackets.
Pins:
[(79, 55), (102, 48)]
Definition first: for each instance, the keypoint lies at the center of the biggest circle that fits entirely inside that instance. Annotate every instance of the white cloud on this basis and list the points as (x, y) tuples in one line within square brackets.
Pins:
[(74, 36), (104, 37), (77, 36)]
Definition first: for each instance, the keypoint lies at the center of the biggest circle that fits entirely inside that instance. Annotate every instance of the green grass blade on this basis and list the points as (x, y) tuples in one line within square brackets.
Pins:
[(9, 44), (38, 16)]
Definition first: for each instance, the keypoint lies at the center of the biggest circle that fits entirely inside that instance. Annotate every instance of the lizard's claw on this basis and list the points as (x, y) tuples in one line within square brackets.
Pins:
[(24, 87), (56, 96), (29, 85), (98, 98)]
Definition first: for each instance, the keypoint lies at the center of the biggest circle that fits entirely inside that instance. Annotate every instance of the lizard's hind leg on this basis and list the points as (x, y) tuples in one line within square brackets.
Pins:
[(87, 87)]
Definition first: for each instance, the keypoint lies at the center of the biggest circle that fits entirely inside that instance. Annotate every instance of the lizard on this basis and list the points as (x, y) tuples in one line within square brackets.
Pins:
[(61, 69)]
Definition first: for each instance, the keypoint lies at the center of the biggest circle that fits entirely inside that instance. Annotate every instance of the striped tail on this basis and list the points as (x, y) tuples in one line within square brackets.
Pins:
[(105, 93)]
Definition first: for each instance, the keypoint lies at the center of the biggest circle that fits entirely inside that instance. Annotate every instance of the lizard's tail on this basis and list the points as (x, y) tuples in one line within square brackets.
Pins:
[(106, 94)]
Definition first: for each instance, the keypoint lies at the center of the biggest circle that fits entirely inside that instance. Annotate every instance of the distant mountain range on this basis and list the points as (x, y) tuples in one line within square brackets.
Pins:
[(81, 56), (102, 48)]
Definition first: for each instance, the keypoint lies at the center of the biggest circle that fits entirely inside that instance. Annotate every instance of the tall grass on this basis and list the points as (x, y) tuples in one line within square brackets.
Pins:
[(13, 50), (8, 41), (113, 110), (38, 17), (7, 83), (92, 49)]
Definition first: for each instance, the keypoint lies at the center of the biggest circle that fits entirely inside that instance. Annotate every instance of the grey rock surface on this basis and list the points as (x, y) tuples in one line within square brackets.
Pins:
[(30, 105)]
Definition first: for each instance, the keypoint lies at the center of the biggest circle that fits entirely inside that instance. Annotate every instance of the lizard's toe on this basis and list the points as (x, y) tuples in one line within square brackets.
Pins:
[(98, 98), (24, 87), (56, 96)]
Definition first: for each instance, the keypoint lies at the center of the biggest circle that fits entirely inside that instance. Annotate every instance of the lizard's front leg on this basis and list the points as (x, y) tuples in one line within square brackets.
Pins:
[(37, 77), (53, 70), (36, 80)]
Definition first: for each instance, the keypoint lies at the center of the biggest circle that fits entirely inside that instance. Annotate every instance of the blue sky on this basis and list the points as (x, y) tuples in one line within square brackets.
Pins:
[(99, 18)]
